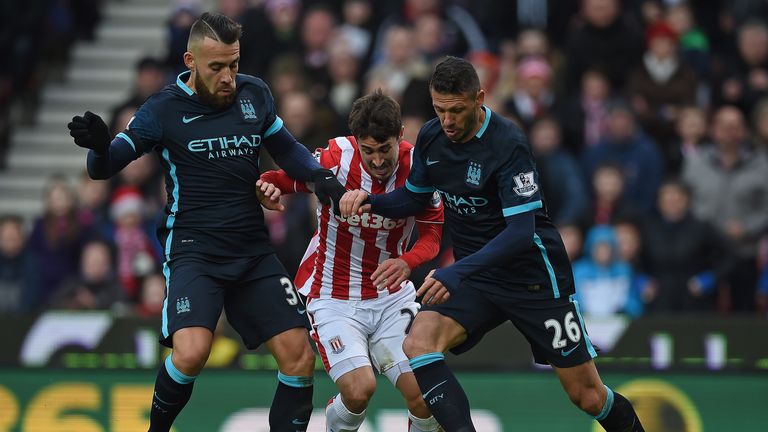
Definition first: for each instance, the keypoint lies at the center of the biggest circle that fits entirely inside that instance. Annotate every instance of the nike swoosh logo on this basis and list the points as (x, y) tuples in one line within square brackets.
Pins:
[(565, 353), (299, 422), (301, 311), (430, 390), (431, 162), (186, 119)]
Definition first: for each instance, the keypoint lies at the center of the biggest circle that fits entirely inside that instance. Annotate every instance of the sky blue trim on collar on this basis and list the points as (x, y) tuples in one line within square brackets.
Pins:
[(276, 125), (182, 85), (485, 122), (127, 138), (522, 208)]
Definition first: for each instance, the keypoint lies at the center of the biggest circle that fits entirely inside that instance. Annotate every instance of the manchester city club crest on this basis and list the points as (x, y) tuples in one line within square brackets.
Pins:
[(182, 305), (247, 108), (474, 172), (525, 185), (336, 344)]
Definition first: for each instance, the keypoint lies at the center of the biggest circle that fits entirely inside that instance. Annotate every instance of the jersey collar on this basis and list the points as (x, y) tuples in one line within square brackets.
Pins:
[(485, 122), (182, 83)]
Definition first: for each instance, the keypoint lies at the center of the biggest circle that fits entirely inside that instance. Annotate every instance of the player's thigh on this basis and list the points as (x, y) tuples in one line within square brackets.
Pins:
[(264, 305), (394, 315), (341, 335), (458, 324), (194, 297), (556, 331)]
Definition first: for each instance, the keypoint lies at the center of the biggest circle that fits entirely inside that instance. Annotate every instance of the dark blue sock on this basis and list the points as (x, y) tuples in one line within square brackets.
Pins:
[(172, 392), (292, 405), (442, 392), (618, 415)]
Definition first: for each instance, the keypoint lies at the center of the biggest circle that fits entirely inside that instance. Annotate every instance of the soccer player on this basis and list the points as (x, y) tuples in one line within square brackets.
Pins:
[(355, 270), (510, 260), (208, 129)]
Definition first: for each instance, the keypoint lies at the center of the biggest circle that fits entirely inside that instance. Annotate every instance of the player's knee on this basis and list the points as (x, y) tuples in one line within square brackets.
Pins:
[(588, 399), (302, 363), (357, 396), (190, 359), (414, 346)]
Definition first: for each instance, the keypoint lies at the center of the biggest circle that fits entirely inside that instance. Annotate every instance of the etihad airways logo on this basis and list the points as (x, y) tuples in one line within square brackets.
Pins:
[(226, 146), (462, 204)]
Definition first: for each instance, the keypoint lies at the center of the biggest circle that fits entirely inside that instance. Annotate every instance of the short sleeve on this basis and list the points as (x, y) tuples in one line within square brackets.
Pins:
[(518, 180)]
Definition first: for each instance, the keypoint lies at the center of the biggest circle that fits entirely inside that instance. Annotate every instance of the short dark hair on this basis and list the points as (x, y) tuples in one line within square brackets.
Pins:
[(375, 115), (455, 76), (217, 27)]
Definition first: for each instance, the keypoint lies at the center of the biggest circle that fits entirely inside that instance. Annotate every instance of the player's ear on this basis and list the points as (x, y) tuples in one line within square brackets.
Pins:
[(402, 133), (189, 60), (480, 97)]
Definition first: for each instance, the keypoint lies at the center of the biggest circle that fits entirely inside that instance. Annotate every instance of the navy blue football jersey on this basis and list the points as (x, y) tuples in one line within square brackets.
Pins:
[(211, 162), (482, 181)]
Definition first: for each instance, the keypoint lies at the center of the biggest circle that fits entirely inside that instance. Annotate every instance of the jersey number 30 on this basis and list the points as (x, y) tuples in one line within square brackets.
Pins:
[(572, 329)]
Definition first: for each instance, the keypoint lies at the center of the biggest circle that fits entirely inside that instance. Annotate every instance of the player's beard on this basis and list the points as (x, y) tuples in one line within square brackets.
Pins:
[(211, 99)]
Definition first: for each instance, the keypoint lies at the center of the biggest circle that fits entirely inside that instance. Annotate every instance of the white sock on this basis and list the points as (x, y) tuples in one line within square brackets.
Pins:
[(417, 424), (340, 419)]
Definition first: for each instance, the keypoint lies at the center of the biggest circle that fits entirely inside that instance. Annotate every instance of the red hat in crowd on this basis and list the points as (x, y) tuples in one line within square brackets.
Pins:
[(659, 29), (126, 200)]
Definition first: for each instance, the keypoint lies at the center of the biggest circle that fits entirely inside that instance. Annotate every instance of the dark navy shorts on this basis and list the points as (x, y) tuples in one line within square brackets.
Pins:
[(554, 327), (256, 293)]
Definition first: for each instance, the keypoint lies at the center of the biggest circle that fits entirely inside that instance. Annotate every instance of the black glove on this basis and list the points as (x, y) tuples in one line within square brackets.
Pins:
[(90, 131), (327, 188)]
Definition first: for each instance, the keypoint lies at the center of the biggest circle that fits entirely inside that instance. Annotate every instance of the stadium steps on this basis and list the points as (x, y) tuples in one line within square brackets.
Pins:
[(99, 77)]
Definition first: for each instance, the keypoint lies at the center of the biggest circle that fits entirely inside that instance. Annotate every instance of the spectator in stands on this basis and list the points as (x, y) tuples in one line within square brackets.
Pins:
[(185, 13), (602, 39), (630, 242), (605, 285), (693, 41), (16, 266), (685, 256), (317, 29), (584, 117), (729, 184), (746, 79), (691, 135), (760, 125), (152, 296), (661, 85), (460, 34), (573, 239), (400, 65), (141, 174), (149, 79), (560, 176), (626, 145), (272, 29), (345, 84), (93, 205), (533, 98), (357, 26), (95, 287), (137, 250), (56, 241), (608, 200)]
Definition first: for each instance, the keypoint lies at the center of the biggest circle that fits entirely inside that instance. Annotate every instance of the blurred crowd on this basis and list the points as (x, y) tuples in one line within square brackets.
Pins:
[(648, 120)]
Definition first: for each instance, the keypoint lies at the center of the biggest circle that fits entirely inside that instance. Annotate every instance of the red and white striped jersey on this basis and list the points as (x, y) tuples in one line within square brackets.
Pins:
[(344, 252)]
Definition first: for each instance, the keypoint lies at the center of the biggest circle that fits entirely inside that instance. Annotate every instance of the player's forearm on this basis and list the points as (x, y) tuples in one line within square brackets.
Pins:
[(102, 166), (426, 247), (400, 203), (291, 155), (516, 238)]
